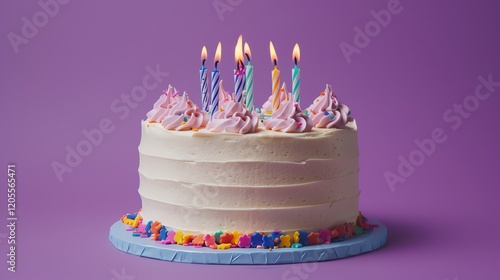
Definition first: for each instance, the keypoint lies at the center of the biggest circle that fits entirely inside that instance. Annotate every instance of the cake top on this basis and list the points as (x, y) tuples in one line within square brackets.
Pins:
[(235, 113), (175, 111)]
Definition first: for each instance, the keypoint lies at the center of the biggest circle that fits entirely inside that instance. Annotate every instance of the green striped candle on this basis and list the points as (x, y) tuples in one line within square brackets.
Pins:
[(296, 74), (249, 80)]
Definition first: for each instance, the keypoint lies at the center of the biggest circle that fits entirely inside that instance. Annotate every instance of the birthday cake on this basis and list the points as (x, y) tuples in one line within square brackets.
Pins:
[(295, 172), (227, 175)]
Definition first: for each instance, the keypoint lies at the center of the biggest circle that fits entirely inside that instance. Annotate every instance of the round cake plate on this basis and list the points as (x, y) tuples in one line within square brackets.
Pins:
[(144, 247)]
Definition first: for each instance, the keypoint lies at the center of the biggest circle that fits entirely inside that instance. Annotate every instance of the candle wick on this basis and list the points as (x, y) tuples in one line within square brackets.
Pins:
[(203, 62), (217, 62), (295, 59), (275, 62), (239, 66), (248, 57)]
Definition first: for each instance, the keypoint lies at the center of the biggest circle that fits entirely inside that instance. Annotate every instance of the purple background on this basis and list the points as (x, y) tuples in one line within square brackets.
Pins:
[(442, 220)]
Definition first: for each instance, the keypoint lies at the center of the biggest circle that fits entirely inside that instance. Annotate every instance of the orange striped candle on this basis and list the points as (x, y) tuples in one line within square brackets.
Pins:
[(275, 78)]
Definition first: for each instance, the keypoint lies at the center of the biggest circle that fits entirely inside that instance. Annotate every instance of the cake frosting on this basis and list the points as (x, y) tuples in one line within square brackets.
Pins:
[(201, 181), (289, 117), (327, 112), (267, 107), (184, 115), (232, 116), (163, 105), (295, 172)]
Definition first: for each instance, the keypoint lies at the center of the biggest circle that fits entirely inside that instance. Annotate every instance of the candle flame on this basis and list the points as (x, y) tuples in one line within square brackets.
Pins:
[(238, 51), (217, 54), (296, 54), (274, 57), (247, 51), (203, 55)]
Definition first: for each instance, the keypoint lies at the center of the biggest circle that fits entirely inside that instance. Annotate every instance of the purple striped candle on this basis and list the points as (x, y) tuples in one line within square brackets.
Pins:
[(214, 104)]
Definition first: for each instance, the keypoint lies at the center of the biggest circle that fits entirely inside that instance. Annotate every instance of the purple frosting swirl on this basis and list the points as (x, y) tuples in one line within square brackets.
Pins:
[(327, 112)]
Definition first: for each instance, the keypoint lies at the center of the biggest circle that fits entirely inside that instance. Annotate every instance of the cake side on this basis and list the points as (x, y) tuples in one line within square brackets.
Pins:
[(200, 181)]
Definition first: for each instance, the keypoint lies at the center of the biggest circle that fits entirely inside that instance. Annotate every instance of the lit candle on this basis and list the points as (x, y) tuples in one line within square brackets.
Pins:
[(275, 77), (205, 96), (296, 74), (249, 79), (239, 71), (214, 104)]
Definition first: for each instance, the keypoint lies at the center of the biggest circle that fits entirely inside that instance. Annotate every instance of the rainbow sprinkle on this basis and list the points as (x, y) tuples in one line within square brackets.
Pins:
[(155, 231)]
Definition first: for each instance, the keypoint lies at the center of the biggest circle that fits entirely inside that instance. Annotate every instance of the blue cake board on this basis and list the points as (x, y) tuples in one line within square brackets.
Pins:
[(145, 247)]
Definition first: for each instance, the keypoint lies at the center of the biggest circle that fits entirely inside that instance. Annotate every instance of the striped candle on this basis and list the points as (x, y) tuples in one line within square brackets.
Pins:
[(296, 84), (275, 78), (205, 96), (296, 74), (239, 71), (239, 82), (276, 91), (249, 87), (249, 80), (214, 104)]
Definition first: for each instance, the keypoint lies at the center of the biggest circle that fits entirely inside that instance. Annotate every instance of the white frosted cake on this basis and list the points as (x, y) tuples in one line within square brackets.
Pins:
[(237, 175)]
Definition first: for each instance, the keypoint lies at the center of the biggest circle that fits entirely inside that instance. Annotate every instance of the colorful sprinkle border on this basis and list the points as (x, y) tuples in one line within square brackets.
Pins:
[(154, 230)]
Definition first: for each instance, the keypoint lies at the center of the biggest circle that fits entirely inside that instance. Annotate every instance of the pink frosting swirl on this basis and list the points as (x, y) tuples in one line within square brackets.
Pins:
[(289, 117), (232, 116), (327, 112), (267, 108), (162, 106), (184, 115)]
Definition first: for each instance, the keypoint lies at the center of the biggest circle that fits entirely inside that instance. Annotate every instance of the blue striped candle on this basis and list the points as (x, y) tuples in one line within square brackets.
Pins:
[(205, 96), (214, 104)]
